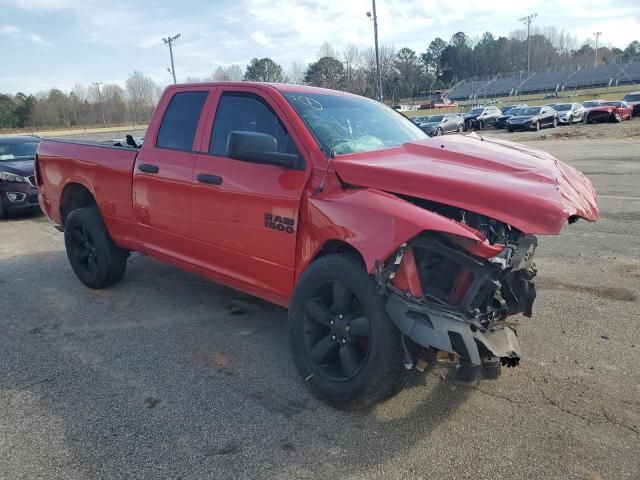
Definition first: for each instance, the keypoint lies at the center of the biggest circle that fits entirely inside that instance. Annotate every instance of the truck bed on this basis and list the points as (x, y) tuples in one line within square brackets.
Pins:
[(105, 170)]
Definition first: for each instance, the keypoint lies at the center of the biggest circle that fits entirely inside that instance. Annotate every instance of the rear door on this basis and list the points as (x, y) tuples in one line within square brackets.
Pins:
[(163, 173), (244, 216)]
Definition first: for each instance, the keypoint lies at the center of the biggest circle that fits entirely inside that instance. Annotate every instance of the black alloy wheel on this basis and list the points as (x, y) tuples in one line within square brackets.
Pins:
[(337, 331), (83, 248)]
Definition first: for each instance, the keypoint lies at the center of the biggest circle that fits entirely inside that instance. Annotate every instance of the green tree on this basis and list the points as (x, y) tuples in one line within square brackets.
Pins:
[(7, 112), (632, 50), (263, 70), (432, 58), (24, 109), (327, 72)]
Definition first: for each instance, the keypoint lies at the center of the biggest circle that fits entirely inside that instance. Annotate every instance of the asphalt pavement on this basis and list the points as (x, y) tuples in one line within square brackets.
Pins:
[(167, 375)]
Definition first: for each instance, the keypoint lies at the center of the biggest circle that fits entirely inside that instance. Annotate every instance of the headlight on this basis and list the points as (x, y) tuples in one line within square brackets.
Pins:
[(10, 177)]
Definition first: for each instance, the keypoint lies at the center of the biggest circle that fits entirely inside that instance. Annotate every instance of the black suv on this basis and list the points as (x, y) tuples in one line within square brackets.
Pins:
[(18, 192)]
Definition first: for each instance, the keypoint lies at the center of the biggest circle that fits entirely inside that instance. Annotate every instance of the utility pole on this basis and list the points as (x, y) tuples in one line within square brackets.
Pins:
[(97, 84), (597, 35), (375, 34), (169, 41), (528, 19)]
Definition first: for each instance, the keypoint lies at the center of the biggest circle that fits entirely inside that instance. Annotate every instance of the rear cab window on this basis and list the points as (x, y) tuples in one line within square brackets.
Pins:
[(180, 122)]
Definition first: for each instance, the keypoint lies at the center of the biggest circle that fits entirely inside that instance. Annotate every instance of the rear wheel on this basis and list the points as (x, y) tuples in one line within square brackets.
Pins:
[(438, 132), (343, 343), (94, 258)]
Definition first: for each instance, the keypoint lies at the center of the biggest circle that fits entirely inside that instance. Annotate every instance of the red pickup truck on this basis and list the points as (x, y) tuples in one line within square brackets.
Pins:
[(387, 246)]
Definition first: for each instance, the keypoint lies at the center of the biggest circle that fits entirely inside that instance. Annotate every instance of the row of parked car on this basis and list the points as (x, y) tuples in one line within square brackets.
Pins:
[(525, 117)]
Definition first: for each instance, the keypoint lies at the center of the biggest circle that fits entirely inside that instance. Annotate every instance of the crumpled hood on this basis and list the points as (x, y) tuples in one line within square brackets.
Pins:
[(524, 187), (17, 167)]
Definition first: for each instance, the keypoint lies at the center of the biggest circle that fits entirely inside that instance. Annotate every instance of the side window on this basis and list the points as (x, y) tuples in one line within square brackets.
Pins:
[(180, 121), (247, 113)]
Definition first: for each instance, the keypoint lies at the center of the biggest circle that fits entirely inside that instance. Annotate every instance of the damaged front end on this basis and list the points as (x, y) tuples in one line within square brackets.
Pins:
[(453, 295)]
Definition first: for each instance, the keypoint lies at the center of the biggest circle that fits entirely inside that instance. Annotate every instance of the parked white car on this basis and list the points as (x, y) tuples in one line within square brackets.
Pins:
[(569, 113)]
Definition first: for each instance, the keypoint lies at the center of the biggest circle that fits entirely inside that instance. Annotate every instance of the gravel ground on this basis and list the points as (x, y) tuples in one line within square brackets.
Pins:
[(167, 375)]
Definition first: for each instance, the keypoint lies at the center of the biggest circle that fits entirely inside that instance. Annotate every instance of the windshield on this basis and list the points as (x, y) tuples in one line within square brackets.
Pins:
[(475, 111), (612, 104), (18, 151), (635, 97), (529, 111), (591, 104), (436, 118), (421, 119), (562, 107), (349, 124)]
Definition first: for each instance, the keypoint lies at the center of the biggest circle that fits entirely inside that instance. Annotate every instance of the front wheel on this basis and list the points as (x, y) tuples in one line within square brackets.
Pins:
[(618, 118), (460, 128), (343, 343), (438, 132), (94, 258), (555, 122), (480, 125), (537, 126)]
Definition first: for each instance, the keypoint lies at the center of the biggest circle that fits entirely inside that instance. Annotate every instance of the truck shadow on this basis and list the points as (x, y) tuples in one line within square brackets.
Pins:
[(170, 370)]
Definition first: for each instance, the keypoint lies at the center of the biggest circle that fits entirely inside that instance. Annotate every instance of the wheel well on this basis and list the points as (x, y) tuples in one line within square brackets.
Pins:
[(74, 196), (338, 246)]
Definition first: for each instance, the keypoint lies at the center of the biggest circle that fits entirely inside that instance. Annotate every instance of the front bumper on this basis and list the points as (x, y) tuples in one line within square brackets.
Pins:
[(452, 332), (520, 126), (18, 197), (466, 317), (565, 120)]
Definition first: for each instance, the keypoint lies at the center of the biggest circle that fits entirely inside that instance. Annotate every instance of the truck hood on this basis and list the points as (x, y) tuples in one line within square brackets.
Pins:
[(524, 187)]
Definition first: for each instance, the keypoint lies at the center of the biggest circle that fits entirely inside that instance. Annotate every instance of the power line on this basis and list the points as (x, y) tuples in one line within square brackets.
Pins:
[(528, 19), (169, 41)]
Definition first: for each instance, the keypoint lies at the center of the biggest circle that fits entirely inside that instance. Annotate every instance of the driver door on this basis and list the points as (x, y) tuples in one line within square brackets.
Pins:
[(244, 216)]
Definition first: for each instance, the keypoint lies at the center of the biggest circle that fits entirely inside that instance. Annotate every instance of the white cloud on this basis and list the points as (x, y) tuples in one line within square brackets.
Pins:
[(261, 38), (18, 35)]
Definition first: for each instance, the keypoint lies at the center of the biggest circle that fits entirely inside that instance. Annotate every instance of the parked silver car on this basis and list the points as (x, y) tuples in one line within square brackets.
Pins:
[(569, 113), (440, 124)]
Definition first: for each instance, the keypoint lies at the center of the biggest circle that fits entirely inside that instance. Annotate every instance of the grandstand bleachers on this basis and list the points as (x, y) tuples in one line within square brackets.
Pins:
[(551, 80)]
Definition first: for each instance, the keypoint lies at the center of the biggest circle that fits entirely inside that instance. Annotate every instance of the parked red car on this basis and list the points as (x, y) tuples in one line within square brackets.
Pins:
[(386, 245), (609, 112)]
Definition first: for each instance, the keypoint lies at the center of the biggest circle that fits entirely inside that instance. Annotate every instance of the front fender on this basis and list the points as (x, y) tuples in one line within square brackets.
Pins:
[(373, 222)]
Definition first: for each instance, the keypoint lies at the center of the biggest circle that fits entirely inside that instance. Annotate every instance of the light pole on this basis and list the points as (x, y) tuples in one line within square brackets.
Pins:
[(169, 41), (528, 19), (597, 35), (97, 84), (375, 34)]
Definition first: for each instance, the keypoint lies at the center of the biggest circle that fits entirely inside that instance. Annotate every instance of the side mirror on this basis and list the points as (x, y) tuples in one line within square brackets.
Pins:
[(261, 148)]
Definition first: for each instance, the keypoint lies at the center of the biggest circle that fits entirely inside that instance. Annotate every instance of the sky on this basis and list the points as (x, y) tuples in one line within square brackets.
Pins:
[(57, 43)]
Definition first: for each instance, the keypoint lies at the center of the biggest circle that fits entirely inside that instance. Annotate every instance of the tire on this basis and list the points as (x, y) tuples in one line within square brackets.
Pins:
[(343, 343), (618, 118), (537, 127), (460, 128), (94, 258), (510, 130), (585, 119), (438, 132), (555, 123), (480, 125), (3, 213)]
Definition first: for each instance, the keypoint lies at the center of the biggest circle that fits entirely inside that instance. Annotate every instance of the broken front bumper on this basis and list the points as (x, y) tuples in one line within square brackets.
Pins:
[(451, 332)]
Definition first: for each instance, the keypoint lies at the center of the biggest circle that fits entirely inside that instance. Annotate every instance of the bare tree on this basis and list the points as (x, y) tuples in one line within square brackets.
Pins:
[(142, 93), (295, 74), (326, 50)]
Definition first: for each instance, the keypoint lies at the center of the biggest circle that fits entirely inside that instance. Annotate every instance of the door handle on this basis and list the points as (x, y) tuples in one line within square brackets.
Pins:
[(211, 179), (148, 168)]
